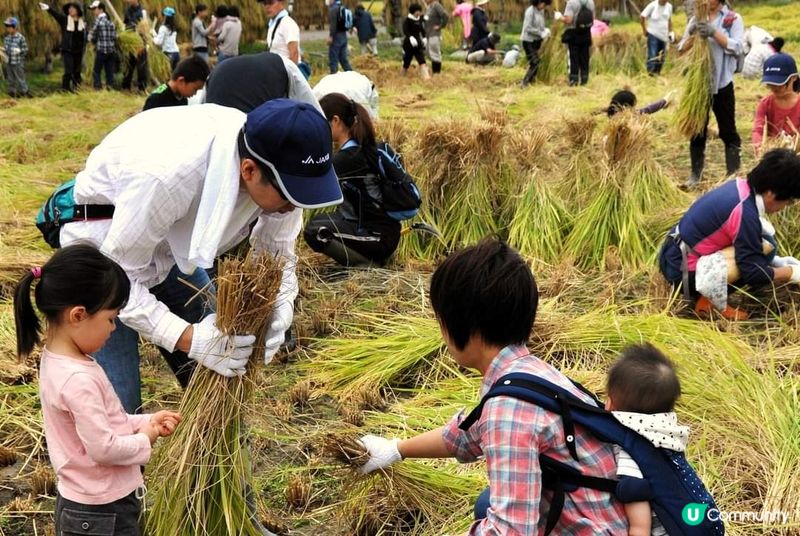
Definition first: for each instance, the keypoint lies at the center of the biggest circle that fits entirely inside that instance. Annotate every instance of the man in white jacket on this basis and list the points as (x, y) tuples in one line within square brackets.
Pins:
[(178, 205)]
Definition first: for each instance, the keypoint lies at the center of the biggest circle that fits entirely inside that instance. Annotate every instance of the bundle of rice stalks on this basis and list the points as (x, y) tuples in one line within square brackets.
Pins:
[(298, 492), (43, 481), (346, 449), (553, 57), (157, 61), (619, 52), (694, 106), (380, 350), (200, 477), (578, 130), (540, 222)]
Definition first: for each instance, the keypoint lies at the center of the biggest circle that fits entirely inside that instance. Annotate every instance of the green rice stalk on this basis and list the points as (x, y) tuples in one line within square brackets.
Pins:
[(201, 475), (553, 57), (693, 108)]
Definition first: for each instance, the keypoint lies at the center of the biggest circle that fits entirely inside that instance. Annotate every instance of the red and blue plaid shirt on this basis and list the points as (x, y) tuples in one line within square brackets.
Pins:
[(510, 435)]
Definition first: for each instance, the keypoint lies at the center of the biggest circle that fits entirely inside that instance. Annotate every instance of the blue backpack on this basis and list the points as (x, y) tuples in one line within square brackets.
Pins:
[(345, 18), (670, 484), (60, 208)]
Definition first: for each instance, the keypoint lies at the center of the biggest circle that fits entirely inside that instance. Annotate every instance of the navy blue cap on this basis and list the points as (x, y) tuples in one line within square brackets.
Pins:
[(778, 68), (294, 140)]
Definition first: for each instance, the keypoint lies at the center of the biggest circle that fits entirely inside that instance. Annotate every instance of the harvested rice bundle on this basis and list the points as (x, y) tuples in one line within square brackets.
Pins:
[(552, 57), (694, 106), (346, 449), (619, 52), (201, 475)]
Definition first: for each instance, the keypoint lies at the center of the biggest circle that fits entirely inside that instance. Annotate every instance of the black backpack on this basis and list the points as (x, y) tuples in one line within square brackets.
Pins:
[(400, 196), (584, 19)]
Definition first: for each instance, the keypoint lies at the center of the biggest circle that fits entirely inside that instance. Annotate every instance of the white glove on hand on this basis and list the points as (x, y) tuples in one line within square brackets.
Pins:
[(558, 15), (546, 34), (795, 273), (16, 50), (43, 6), (276, 334), (671, 37), (413, 41), (780, 262), (224, 355), (425, 42), (382, 453)]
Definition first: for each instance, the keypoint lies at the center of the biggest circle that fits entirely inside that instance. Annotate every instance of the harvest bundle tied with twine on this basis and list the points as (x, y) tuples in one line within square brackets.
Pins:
[(200, 477)]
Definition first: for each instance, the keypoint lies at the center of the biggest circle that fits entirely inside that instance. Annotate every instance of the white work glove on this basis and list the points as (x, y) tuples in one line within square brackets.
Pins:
[(224, 355), (16, 50), (669, 96), (780, 262), (43, 6), (546, 34), (795, 278), (425, 42), (413, 41), (382, 453), (276, 334), (671, 37), (558, 15)]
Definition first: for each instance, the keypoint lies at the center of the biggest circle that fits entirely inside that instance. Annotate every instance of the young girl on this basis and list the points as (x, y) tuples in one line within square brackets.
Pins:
[(95, 447), (167, 37), (778, 114), (359, 232), (413, 44)]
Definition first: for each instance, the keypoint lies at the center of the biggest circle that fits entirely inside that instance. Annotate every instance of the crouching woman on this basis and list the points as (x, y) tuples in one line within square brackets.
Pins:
[(725, 238)]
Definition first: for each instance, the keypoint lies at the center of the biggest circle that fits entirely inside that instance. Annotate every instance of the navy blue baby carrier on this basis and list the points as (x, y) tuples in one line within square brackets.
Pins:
[(669, 483)]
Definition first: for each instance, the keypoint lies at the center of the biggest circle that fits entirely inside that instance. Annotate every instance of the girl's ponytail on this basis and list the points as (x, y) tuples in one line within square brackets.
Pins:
[(354, 116), (362, 129), (25, 319)]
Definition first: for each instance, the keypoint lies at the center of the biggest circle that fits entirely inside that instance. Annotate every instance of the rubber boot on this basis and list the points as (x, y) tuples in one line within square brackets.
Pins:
[(436, 67), (704, 309), (345, 256), (423, 71), (698, 157), (529, 74), (732, 159)]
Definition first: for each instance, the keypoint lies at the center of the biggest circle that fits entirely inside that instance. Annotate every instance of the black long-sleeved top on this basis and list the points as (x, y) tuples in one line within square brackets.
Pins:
[(133, 14), (72, 38), (480, 25), (413, 28)]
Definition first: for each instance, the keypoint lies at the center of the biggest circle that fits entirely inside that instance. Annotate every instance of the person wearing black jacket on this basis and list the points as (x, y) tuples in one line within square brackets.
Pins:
[(73, 41), (359, 232), (133, 14), (480, 22), (414, 41)]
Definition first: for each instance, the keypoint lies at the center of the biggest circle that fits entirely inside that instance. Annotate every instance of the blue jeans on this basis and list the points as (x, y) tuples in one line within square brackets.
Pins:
[(221, 56), (482, 505), (656, 50), (337, 53), (119, 358), (104, 61)]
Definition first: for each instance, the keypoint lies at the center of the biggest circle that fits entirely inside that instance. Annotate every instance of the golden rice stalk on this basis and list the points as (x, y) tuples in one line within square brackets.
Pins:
[(298, 492), (693, 108), (8, 456), (43, 481), (201, 475), (346, 449)]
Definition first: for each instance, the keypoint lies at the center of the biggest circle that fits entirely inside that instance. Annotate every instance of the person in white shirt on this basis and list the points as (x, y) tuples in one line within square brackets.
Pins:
[(178, 206), (167, 37), (656, 19), (283, 33), (353, 84)]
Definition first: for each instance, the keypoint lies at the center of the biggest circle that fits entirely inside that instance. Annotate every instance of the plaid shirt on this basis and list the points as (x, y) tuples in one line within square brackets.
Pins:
[(13, 42), (104, 34), (510, 435)]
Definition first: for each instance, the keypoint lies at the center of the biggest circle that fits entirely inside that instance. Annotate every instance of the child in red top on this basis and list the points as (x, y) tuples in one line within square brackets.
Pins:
[(95, 447), (779, 111)]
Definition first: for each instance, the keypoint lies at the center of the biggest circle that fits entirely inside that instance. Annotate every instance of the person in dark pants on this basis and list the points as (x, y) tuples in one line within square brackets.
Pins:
[(578, 37), (480, 22), (337, 38), (414, 41), (533, 34), (359, 232), (724, 31), (73, 41), (136, 61), (104, 37)]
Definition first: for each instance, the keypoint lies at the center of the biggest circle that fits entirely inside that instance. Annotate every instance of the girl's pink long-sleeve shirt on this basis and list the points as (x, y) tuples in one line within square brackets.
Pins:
[(777, 119), (94, 446)]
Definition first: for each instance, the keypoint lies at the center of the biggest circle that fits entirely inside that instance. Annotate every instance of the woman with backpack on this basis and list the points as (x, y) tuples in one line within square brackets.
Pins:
[(359, 232), (578, 17)]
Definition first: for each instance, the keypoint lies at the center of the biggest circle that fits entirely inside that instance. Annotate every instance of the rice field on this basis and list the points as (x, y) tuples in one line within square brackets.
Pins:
[(585, 198)]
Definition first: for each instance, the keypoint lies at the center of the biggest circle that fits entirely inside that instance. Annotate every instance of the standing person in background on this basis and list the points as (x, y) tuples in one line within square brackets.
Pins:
[(436, 18), (366, 30), (463, 10), (229, 36), (480, 22), (283, 33), (337, 38), (135, 61), (167, 37), (200, 32), (724, 31), (414, 41), (780, 110), (533, 34), (217, 20), (656, 20), (16, 48), (104, 37), (760, 50), (579, 17), (73, 41)]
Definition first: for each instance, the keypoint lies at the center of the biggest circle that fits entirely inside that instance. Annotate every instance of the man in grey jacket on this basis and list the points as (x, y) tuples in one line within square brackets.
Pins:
[(436, 18), (533, 34)]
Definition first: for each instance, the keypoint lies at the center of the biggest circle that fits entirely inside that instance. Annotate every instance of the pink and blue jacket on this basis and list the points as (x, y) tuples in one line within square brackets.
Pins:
[(726, 216)]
